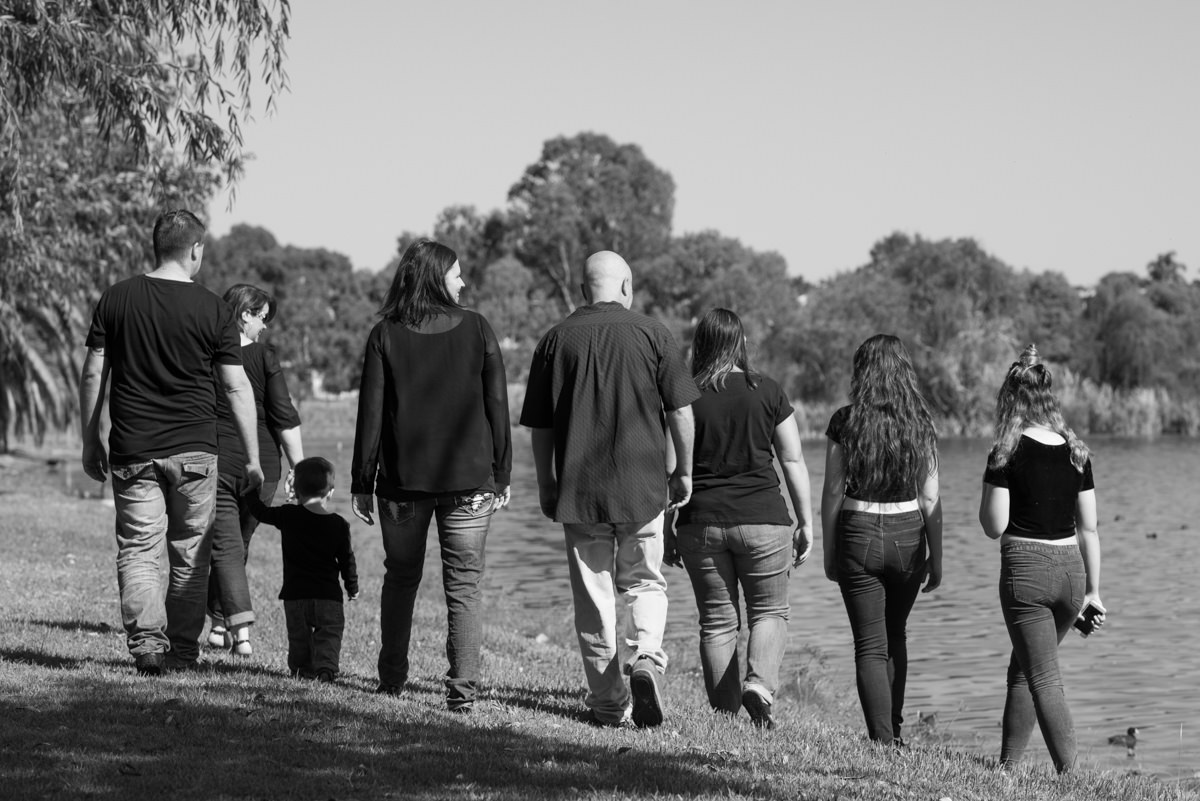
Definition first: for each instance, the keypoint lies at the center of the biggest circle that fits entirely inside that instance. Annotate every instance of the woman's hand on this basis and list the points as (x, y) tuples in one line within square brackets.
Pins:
[(1094, 599), (933, 575), (671, 548), (802, 544), (363, 505), (503, 496), (831, 565), (548, 498)]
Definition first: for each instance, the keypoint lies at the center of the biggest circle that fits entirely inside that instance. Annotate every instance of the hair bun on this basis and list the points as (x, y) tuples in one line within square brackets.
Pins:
[(1029, 356)]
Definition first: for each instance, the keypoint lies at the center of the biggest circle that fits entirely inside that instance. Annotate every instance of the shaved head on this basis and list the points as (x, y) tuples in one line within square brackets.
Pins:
[(607, 277)]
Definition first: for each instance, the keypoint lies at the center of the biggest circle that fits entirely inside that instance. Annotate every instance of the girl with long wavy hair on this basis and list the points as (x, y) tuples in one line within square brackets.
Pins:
[(1039, 499), (432, 442), (881, 521), (736, 531)]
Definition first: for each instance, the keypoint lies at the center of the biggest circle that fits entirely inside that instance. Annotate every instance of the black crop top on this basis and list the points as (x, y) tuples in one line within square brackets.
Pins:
[(1042, 487), (895, 493)]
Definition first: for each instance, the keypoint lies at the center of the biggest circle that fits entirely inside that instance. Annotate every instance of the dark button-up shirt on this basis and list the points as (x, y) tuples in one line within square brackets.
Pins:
[(601, 379)]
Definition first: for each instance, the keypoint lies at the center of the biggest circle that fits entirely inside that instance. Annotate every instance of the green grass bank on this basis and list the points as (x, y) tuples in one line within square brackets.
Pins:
[(78, 724)]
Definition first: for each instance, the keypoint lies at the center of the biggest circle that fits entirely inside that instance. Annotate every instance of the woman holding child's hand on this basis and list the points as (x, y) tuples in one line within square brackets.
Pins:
[(432, 443)]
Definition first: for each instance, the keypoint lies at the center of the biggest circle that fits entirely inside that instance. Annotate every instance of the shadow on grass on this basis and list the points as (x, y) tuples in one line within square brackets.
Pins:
[(43, 659), (76, 625), (562, 702), (197, 736)]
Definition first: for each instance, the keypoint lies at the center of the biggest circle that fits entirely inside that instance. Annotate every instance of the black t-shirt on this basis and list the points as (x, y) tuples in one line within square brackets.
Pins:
[(733, 477), (601, 380), (316, 548), (896, 492), (432, 410), (1042, 486), (163, 341), (274, 409)]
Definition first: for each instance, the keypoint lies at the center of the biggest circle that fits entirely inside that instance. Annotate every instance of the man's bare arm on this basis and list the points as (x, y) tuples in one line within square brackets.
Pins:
[(683, 431), (91, 406), (241, 399)]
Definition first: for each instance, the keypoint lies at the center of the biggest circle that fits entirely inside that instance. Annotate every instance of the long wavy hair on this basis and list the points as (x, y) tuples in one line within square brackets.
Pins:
[(889, 438), (718, 349), (418, 290), (1026, 399)]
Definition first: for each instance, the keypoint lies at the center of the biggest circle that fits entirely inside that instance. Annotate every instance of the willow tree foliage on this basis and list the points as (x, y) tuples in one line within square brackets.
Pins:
[(109, 111)]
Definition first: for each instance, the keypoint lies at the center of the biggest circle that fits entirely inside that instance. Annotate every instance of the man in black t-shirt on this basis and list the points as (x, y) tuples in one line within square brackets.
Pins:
[(162, 338), (602, 384)]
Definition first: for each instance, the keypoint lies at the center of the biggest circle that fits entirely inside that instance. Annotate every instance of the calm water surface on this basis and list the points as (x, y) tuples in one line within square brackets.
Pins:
[(1141, 670)]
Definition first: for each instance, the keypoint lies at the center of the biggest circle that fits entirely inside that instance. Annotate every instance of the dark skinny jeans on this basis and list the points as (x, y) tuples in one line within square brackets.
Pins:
[(1041, 591), (881, 565)]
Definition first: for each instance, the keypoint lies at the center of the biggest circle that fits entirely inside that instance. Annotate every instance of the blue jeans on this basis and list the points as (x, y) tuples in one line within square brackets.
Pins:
[(164, 505), (462, 524), (604, 560), (314, 628), (1041, 591), (229, 602), (718, 558), (881, 564)]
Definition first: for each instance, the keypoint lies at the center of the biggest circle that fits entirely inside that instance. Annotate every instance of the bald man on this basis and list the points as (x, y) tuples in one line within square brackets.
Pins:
[(603, 386)]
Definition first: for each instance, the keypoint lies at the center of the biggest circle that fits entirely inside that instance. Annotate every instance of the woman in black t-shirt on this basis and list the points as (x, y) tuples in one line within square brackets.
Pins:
[(880, 512), (1040, 500), (432, 442), (229, 602), (736, 529)]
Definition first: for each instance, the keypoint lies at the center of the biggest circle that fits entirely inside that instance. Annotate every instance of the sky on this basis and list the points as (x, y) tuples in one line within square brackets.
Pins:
[(1061, 136)]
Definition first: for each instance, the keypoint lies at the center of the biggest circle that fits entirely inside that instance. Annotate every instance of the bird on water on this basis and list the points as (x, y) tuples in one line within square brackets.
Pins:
[(1128, 739)]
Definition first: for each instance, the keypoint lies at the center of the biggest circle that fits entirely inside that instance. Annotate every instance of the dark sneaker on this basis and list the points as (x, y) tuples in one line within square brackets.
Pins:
[(149, 664), (325, 676), (389, 689), (173, 664), (589, 717), (758, 708), (647, 700)]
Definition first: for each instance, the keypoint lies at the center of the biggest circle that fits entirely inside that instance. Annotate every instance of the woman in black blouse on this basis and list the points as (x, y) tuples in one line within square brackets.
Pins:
[(229, 603), (432, 443), (880, 514), (1039, 498), (736, 531)]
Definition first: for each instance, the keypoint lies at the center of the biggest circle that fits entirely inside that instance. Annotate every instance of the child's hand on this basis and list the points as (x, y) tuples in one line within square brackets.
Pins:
[(354, 596)]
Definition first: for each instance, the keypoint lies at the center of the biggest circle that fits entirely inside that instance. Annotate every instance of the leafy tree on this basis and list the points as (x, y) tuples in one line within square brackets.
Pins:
[(96, 99), (86, 222), (1165, 269), (587, 193), (147, 70)]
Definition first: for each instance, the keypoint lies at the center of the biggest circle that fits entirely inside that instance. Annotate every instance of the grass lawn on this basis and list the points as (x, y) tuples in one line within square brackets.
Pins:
[(78, 723)]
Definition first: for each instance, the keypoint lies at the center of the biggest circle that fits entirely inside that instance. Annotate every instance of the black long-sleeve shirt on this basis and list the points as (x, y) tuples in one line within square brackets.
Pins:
[(316, 548), (432, 410)]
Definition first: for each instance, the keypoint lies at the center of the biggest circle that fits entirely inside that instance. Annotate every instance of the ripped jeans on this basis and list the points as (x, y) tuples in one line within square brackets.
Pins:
[(164, 506), (462, 524)]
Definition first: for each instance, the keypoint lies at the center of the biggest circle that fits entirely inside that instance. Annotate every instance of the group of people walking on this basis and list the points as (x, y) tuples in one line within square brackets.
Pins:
[(642, 462)]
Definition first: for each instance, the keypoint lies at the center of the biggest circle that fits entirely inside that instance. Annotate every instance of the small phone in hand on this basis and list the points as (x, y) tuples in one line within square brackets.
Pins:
[(1085, 623)]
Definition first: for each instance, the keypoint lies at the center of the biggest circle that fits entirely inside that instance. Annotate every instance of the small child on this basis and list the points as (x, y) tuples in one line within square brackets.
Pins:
[(316, 547)]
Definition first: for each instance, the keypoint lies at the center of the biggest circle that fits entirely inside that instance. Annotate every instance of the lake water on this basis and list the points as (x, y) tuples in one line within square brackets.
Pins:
[(1140, 670)]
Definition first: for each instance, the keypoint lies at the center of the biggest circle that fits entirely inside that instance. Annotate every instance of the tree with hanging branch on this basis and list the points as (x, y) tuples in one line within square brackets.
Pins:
[(109, 111)]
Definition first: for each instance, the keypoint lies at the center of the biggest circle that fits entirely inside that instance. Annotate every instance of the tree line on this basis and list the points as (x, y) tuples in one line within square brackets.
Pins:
[(1124, 352)]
